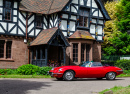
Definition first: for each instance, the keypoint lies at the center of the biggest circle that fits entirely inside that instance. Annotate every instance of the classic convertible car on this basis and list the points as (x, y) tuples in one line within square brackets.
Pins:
[(85, 70)]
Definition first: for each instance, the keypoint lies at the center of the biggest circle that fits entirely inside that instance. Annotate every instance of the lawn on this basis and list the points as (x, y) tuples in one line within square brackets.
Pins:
[(118, 90)]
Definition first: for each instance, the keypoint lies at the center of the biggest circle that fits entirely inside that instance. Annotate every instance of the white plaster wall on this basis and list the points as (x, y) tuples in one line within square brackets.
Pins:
[(92, 29), (75, 1), (95, 13), (94, 4), (71, 34), (72, 26), (15, 12), (21, 25), (55, 22), (65, 33), (15, 4), (94, 20), (93, 36), (22, 19), (1, 30), (99, 29), (14, 30), (32, 33), (89, 3), (37, 31), (99, 38), (81, 2), (1, 2), (31, 19), (14, 19), (50, 26), (4, 25), (73, 17), (64, 25), (10, 25), (0, 17), (68, 8), (1, 10), (65, 16), (100, 22), (45, 21), (73, 9), (30, 27), (100, 14), (20, 32)]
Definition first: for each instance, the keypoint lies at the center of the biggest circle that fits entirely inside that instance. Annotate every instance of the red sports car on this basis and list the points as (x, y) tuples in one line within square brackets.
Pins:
[(85, 70)]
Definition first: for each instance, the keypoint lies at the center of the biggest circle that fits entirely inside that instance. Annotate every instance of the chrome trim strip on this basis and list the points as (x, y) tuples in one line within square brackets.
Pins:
[(119, 70)]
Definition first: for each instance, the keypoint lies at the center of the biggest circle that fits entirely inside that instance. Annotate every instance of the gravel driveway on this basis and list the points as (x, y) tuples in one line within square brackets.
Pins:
[(52, 86)]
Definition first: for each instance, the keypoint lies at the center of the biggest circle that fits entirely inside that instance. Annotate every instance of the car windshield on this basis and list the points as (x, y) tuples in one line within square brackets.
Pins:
[(91, 64)]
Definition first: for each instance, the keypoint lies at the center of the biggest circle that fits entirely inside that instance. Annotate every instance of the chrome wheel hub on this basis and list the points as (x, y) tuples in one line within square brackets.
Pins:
[(111, 75), (69, 75)]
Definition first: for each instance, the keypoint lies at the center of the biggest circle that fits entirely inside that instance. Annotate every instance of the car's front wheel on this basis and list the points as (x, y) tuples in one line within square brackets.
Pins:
[(110, 75), (68, 75)]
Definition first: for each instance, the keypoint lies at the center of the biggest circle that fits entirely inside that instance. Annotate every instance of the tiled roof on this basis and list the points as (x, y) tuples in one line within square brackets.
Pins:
[(80, 34), (43, 6), (44, 36)]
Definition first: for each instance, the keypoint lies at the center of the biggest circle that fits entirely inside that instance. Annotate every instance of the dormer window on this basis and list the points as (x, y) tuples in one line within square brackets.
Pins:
[(83, 17), (8, 10), (39, 21)]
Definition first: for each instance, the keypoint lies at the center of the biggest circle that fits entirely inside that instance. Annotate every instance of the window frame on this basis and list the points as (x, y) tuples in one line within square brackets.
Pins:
[(41, 21), (7, 8), (75, 58), (5, 57), (84, 10)]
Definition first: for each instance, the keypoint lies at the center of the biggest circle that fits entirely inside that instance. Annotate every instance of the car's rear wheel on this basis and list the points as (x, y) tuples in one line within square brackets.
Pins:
[(59, 79), (110, 75), (68, 75)]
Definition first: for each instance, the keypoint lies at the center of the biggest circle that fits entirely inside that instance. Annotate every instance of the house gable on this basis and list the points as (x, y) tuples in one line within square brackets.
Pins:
[(96, 17)]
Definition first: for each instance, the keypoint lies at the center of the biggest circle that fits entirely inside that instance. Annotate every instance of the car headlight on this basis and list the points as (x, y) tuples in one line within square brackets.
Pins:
[(60, 69), (52, 69)]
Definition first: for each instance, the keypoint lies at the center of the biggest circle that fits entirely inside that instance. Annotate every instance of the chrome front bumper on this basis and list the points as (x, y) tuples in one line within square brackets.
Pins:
[(51, 73)]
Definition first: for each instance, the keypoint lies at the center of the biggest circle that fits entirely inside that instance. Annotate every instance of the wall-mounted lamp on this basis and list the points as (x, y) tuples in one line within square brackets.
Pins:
[(25, 40)]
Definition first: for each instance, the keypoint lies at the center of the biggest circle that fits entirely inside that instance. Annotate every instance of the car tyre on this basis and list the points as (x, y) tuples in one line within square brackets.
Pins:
[(68, 75), (110, 75), (60, 79)]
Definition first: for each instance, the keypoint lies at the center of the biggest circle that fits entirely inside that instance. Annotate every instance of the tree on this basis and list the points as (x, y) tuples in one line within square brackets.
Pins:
[(120, 44), (123, 15), (109, 25), (117, 40)]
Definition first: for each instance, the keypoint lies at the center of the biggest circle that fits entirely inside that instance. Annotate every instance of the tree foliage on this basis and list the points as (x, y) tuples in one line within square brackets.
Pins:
[(109, 25), (117, 40), (123, 15), (119, 44)]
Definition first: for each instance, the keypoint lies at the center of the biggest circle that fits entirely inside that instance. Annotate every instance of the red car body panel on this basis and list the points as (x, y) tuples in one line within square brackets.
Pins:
[(86, 72)]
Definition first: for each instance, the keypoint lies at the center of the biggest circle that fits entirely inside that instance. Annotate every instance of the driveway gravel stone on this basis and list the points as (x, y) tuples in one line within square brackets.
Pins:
[(52, 86)]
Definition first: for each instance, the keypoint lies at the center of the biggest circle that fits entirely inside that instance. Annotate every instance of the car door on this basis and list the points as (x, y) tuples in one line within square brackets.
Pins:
[(95, 72)]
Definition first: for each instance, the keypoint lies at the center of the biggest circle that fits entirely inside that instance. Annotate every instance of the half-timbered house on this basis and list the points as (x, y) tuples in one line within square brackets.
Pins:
[(36, 31)]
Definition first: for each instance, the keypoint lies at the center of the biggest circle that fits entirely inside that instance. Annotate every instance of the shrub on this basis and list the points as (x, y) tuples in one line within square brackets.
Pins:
[(44, 70), (3, 71), (124, 64), (28, 69), (11, 71)]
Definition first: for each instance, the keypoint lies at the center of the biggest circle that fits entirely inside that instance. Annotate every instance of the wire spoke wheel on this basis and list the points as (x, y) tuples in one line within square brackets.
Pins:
[(110, 76), (69, 75)]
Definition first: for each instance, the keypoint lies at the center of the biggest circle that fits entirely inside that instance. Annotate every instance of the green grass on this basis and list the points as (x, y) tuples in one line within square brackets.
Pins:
[(118, 90), (25, 76), (126, 73)]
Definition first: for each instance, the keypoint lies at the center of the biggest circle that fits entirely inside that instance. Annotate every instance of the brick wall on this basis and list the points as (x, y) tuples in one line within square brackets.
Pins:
[(97, 52), (19, 53)]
